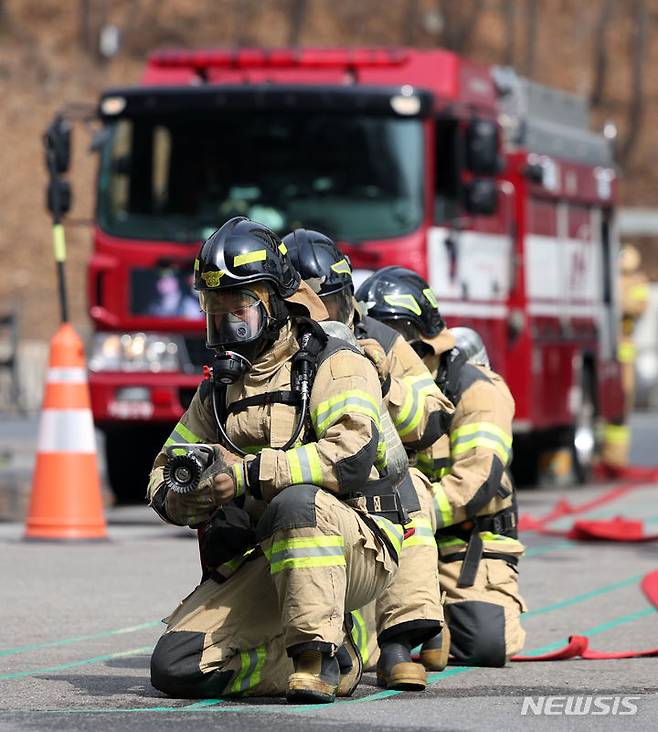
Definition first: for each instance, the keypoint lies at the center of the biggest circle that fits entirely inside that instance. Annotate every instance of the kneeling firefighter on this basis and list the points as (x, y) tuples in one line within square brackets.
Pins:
[(410, 611), (473, 492), (289, 545)]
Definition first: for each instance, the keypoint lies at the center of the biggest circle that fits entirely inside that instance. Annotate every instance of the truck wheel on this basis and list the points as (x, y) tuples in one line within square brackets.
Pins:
[(583, 433), (129, 456)]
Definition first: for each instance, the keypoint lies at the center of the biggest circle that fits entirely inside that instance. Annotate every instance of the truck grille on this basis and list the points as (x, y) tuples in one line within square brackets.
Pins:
[(198, 354)]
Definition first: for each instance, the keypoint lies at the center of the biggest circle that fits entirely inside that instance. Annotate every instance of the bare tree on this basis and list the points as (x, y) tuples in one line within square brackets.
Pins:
[(460, 20), (532, 18), (638, 53), (600, 60), (297, 13), (509, 17), (410, 22)]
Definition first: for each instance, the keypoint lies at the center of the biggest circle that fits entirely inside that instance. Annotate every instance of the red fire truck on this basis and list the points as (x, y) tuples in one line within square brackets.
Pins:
[(490, 186)]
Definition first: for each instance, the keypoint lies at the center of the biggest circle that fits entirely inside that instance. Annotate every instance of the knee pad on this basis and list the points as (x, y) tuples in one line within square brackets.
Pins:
[(292, 508), (175, 667), (477, 633)]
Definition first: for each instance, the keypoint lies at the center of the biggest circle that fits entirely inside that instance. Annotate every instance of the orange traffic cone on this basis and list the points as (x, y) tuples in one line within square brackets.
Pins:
[(66, 500)]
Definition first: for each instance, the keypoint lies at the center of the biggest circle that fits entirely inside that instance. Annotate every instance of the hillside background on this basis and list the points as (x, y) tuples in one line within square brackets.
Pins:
[(49, 54)]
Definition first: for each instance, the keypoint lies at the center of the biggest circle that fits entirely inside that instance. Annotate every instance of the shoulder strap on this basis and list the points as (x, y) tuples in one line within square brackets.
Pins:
[(386, 336), (290, 398)]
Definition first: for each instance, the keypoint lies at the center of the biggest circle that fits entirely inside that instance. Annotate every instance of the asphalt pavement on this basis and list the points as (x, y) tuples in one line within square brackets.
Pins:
[(78, 622)]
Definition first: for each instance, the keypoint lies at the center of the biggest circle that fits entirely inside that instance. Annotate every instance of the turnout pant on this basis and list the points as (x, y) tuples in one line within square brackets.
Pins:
[(484, 620), (412, 603), (319, 559)]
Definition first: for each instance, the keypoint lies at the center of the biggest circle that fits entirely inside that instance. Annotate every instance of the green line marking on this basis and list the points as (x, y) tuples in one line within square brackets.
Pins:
[(538, 551), (75, 664), (584, 597), (79, 638)]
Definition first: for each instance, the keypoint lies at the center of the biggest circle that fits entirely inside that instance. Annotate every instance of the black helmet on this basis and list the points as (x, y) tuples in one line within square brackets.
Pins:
[(319, 261), (241, 252), (324, 269), (399, 294)]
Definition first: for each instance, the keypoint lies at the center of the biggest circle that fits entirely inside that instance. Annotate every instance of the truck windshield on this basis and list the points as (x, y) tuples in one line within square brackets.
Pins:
[(175, 178)]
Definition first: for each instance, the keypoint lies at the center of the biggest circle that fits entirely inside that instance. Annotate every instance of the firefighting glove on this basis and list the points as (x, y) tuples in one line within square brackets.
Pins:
[(377, 355), (197, 506)]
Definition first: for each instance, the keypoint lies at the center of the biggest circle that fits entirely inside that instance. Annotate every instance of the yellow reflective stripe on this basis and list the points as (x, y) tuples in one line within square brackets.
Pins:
[(245, 661), (341, 267), (59, 243), (414, 405), (354, 401), (639, 292), (404, 300), (283, 248), (443, 509), (360, 635), (251, 665), (480, 434), (307, 563), (393, 531), (431, 298), (434, 469), (507, 541), (304, 541), (238, 476), (617, 434), (304, 463), (422, 536), (181, 433), (249, 257), (475, 427), (626, 352)]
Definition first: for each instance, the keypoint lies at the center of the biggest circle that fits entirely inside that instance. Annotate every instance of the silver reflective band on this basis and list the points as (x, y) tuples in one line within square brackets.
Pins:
[(67, 374), (66, 430)]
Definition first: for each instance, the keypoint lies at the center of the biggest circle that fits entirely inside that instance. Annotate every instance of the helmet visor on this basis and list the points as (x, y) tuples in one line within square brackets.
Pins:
[(233, 316), (405, 327)]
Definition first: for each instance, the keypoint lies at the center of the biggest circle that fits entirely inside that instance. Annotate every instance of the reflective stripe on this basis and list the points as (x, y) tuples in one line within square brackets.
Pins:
[(639, 292), (341, 267), (331, 410), (238, 476), (481, 434), (251, 665), (67, 375), (249, 257), (422, 536), (434, 469), (508, 541), (442, 507), (305, 466), (59, 243), (283, 248), (66, 430), (313, 551), (626, 352), (393, 531), (418, 387), (616, 434), (360, 635), (404, 300), (381, 460), (181, 433)]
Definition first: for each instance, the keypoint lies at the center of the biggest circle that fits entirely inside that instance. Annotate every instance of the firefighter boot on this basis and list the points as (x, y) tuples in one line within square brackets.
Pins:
[(351, 668), (396, 670), (316, 678), (434, 653)]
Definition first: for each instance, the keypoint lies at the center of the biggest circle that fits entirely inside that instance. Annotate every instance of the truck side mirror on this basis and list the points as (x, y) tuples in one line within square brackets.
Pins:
[(481, 196), (57, 142), (482, 145)]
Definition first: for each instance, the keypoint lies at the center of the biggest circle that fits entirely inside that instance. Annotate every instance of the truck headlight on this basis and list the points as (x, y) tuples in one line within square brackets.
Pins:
[(135, 352)]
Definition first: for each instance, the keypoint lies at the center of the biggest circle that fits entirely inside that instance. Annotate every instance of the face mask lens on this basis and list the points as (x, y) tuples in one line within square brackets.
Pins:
[(233, 317), (408, 330)]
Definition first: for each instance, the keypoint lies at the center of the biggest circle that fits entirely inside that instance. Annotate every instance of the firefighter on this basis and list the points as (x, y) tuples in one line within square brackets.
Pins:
[(473, 493), (634, 292), (409, 612), (289, 546)]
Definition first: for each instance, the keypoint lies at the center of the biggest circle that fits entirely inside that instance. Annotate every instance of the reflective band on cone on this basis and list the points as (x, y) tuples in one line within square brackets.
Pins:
[(66, 500)]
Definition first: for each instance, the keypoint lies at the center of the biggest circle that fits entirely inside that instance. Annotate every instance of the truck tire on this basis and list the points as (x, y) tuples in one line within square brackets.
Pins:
[(582, 436), (129, 455)]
